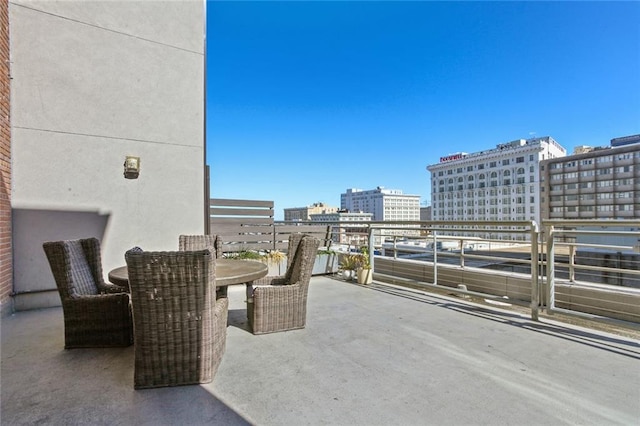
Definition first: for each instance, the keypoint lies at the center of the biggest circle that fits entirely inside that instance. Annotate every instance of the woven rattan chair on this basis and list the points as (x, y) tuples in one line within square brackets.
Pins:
[(180, 328), (294, 242), (280, 304), (96, 314), (200, 242)]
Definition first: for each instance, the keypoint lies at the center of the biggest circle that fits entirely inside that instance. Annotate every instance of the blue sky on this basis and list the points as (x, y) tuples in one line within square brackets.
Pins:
[(307, 99)]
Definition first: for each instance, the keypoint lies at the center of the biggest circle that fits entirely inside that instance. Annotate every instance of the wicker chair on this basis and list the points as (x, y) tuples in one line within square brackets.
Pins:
[(280, 303), (180, 328), (200, 242), (96, 314), (294, 242)]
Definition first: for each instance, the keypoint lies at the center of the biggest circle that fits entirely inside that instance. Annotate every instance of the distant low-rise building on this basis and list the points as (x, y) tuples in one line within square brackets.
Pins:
[(425, 213), (346, 226), (296, 214)]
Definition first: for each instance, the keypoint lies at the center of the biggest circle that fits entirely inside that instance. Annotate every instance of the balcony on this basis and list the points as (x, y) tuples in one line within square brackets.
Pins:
[(377, 354)]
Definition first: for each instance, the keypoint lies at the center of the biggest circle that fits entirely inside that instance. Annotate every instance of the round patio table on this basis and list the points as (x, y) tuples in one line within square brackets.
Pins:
[(228, 272)]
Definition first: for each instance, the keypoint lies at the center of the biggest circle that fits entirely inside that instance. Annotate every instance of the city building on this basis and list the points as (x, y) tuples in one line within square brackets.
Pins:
[(425, 213), (349, 230), (304, 213), (593, 183), (384, 204), (496, 184)]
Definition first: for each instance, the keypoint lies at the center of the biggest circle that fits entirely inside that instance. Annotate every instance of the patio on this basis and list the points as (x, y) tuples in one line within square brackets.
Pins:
[(369, 355)]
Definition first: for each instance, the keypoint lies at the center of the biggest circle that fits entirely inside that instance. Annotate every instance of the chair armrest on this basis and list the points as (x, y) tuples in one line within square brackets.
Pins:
[(108, 288), (101, 298), (269, 280), (273, 291), (274, 281)]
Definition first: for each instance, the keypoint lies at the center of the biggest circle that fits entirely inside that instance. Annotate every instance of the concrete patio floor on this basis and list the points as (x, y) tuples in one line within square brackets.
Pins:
[(374, 355)]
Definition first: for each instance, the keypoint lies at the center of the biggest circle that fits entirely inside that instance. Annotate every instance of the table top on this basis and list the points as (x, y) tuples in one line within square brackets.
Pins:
[(228, 272), (238, 271)]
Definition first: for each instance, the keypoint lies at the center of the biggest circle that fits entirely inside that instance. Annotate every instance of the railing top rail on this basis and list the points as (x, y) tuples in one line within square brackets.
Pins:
[(387, 223), (594, 222), (592, 232)]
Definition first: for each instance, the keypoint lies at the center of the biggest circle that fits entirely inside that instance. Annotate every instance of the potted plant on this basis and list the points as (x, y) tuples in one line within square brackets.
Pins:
[(348, 265), (276, 261), (326, 262), (365, 273)]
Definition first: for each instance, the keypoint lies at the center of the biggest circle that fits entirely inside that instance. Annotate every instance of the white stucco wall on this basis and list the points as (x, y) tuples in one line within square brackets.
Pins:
[(93, 82)]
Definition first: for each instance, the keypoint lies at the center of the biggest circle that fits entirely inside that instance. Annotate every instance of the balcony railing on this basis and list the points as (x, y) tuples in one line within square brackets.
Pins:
[(584, 268)]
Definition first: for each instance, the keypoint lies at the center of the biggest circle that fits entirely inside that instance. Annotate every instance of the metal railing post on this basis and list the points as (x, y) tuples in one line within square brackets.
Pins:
[(435, 257), (572, 263), (395, 247), (371, 246), (535, 281), (551, 269)]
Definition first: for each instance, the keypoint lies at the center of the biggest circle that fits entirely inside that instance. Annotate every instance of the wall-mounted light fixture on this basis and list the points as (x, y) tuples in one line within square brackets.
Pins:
[(131, 167)]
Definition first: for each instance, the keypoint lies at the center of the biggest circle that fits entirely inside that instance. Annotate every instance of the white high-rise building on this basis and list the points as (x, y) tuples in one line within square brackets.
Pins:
[(385, 204), (497, 184)]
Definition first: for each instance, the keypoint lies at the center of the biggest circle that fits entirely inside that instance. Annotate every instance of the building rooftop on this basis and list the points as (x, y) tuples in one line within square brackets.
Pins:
[(374, 355)]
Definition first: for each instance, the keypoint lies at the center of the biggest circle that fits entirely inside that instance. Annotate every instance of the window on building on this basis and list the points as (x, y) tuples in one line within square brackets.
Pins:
[(624, 182), (505, 162)]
